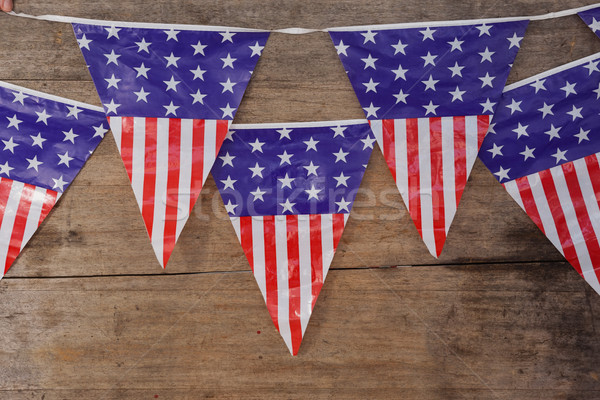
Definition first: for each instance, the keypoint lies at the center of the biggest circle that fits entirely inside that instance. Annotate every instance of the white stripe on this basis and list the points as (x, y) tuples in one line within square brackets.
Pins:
[(162, 159), (235, 221), (346, 216), (471, 147), (541, 202), (377, 129), (513, 189), (138, 154), (278, 125), (8, 220), (185, 174), (327, 249), (589, 197), (33, 218), (283, 300), (210, 140), (587, 268), (448, 159), (305, 270), (115, 128), (425, 185), (401, 160), (258, 253)]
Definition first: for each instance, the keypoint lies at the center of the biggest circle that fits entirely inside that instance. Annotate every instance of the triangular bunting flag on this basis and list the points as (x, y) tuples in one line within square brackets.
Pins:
[(591, 18), (545, 150), (289, 189), (170, 92), (46, 141), (428, 91)]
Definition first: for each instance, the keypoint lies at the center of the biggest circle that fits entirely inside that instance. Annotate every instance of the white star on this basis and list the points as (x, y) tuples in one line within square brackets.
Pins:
[(230, 208), (342, 205), (400, 72), (172, 60), (569, 88), (527, 153), (429, 59), (172, 84), (456, 70), (313, 193), (427, 33), (256, 49), (199, 48), (514, 106), (553, 132), (287, 206), (311, 144), (142, 71), (10, 145), (227, 36), (371, 110), (515, 41), (369, 37), (199, 74), (42, 117), (484, 30), (457, 94), (488, 106), (257, 146), (341, 180), (143, 45), (399, 48), (546, 109), (141, 95), (112, 82), (59, 184), (258, 194), (256, 171), (228, 86), (228, 183), (70, 136), (430, 108), (559, 155), (38, 140), (486, 80), (592, 66), (338, 131), (74, 111), (285, 158), (5, 169), (284, 133), (171, 109), (228, 61), (401, 97), (198, 97), (456, 44), (575, 113), (582, 135), (486, 55), (539, 85), (595, 25), (227, 159), (19, 96), (64, 159), (111, 107), (99, 131), (84, 43), (340, 155), (112, 58), (597, 91), (287, 181), (502, 174), (341, 48), (311, 169), (14, 122), (521, 130), (172, 34), (369, 62), (229, 135), (368, 142), (227, 111), (430, 83), (34, 163), (491, 128), (496, 150), (113, 32), (371, 86)]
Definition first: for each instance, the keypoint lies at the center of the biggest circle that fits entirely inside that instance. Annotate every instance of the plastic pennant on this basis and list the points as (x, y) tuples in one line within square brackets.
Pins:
[(288, 189)]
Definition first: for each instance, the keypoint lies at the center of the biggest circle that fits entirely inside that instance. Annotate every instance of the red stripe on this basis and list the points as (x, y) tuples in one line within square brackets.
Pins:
[(246, 239), (594, 172), (171, 206), (49, 201), (483, 124), (583, 217), (559, 219), (294, 292), (529, 202), (222, 128), (460, 156), (197, 161), (389, 144), (5, 185), (338, 229), (127, 143), (271, 267), (414, 185), (18, 228), (437, 183), (149, 196), (316, 256)]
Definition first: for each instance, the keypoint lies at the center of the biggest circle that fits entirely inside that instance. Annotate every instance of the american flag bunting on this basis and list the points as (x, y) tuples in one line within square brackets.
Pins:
[(591, 18)]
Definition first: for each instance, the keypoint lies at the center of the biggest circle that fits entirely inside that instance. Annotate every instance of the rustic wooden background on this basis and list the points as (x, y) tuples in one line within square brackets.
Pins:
[(87, 312)]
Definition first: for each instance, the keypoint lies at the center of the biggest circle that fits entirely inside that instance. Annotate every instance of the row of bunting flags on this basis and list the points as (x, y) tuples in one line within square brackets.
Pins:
[(434, 98)]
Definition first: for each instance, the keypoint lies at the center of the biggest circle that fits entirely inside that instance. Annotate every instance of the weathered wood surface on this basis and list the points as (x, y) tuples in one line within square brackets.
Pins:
[(87, 311)]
